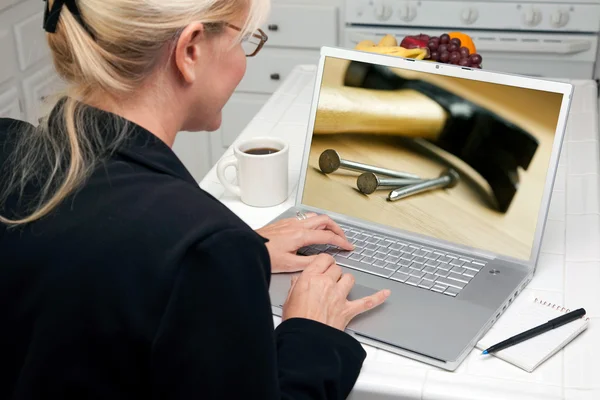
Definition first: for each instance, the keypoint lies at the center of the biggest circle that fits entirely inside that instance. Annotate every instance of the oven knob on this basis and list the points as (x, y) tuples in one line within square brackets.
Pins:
[(469, 15), (559, 18), (532, 17), (407, 12), (382, 10)]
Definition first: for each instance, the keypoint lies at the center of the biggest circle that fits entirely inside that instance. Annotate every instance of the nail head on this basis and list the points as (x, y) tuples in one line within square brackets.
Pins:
[(329, 161), (367, 183)]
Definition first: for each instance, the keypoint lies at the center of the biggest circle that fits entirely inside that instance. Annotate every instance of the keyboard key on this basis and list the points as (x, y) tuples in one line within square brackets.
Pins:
[(458, 278), (469, 273), (420, 260), (380, 256), (350, 235), (431, 256), (432, 263), (478, 263), (472, 267), (358, 243), (429, 277), (418, 274), (408, 257), (371, 247), (444, 259), (311, 252), (420, 253), (391, 267), (372, 240), (445, 267), (404, 263), (395, 253), (355, 256), (368, 260), (396, 246), (399, 276), (452, 291), (383, 250), (442, 273), (449, 282), (458, 270), (387, 242), (465, 259), (362, 237), (367, 253), (332, 251), (344, 254), (413, 280), (407, 250), (426, 284), (416, 267), (456, 263), (392, 259), (366, 268), (379, 263), (405, 270), (429, 270), (439, 288)]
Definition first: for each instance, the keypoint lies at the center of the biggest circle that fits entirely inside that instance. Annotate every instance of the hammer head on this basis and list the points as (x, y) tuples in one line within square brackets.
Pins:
[(329, 161), (491, 145)]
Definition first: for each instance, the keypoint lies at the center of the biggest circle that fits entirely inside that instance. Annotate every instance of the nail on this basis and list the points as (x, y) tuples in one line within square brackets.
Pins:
[(330, 161), (447, 179), (368, 182)]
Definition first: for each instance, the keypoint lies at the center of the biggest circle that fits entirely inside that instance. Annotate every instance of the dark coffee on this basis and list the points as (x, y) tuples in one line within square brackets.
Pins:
[(261, 151)]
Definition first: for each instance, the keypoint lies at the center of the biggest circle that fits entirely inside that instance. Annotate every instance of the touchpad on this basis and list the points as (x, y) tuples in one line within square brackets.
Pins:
[(360, 291)]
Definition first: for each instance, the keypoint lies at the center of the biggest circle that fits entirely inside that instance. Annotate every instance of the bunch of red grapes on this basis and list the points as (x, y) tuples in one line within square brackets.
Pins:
[(449, 51)]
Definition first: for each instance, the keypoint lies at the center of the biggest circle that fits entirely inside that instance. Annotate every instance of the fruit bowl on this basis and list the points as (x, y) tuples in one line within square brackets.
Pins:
[(450, 48)]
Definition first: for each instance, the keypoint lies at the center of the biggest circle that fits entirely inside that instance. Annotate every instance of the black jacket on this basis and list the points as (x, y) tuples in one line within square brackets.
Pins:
[(142, 285)]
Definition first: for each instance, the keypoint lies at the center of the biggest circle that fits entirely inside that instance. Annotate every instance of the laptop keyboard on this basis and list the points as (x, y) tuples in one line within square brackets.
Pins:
[(402, 261)]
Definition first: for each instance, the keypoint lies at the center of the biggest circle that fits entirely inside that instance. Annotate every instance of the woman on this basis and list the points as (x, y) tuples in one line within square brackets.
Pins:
[(120, 277)]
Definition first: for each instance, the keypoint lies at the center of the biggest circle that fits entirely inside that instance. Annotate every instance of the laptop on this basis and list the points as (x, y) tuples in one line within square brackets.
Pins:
[(441, 176)]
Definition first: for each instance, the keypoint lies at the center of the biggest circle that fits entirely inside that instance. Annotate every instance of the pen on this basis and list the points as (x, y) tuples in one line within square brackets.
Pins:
[(553, 323)]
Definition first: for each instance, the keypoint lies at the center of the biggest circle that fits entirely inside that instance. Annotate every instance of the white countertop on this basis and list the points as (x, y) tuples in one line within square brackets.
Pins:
[(568, 272)]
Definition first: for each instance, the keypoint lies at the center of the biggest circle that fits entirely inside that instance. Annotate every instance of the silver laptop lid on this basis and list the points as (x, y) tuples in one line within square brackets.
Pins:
[(501, 133)]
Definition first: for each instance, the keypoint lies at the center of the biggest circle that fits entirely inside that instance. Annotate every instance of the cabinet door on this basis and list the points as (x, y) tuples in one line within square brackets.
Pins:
[(9, 104), (265, 72)]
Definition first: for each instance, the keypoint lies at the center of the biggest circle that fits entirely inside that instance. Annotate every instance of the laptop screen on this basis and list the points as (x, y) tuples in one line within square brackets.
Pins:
[(463, 160)]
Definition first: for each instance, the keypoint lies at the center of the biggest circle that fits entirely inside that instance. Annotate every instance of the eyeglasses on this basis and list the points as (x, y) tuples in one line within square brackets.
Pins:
[(252, 43)]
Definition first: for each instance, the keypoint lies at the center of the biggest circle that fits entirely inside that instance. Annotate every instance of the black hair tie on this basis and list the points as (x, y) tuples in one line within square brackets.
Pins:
[(51, 16)]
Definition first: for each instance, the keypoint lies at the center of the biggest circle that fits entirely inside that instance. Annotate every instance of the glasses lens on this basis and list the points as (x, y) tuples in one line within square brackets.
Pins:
[(250, 44)]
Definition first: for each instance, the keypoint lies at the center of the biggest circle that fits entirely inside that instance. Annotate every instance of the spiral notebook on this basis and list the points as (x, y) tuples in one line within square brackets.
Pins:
[(529, 354)]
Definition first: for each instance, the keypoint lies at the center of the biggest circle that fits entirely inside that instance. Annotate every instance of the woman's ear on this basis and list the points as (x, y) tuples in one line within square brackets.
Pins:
[(187, 51)]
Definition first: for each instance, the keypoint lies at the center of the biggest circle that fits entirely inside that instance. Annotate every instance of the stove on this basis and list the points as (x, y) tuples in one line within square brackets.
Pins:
[(551, 38)]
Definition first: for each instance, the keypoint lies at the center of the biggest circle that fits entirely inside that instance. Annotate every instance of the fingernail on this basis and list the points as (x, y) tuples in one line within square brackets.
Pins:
[(387, 292)]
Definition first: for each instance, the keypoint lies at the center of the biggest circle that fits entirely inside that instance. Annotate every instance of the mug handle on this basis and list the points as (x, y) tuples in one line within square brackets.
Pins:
[(225, 163)]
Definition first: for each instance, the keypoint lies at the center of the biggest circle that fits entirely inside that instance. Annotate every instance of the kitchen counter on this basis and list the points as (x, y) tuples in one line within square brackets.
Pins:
[(568, 271)]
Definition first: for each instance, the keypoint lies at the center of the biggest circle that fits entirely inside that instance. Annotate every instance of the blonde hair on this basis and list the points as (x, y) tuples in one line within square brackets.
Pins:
[(111, 56)]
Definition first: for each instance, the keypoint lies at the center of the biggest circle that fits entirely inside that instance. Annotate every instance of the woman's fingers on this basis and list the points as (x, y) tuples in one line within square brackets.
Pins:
[(324, 222), (310, 237), (367, 303), (320, 264), (334, 271)]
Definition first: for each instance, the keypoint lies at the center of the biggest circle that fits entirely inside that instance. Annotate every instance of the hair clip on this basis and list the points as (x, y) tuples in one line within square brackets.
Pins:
[(51, 16)]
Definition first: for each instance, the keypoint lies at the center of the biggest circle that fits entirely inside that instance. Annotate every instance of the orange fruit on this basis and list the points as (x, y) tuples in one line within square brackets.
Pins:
[(465, 40)]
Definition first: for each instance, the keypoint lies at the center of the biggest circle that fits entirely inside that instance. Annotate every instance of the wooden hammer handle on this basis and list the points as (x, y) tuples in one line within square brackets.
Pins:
[(356, 110)]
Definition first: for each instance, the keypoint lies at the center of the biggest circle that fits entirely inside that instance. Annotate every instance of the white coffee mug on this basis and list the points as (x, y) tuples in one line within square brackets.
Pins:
[(262, 171)]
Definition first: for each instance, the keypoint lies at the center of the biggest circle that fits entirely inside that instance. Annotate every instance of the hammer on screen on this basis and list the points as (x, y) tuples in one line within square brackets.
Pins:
[(491, 145)]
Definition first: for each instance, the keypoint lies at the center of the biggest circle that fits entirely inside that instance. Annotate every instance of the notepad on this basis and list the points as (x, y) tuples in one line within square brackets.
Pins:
[(528, 313)]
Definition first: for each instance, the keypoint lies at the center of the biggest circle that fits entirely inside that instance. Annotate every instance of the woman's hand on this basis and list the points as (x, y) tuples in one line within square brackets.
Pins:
[(320, 293), (287, 236)]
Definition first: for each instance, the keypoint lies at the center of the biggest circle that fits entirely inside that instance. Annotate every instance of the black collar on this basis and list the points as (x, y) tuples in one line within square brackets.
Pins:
[(141, 145)]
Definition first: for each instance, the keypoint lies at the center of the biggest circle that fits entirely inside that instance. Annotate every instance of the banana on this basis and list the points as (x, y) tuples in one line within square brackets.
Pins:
[(388, 40), (388, 45), (417, 53)]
